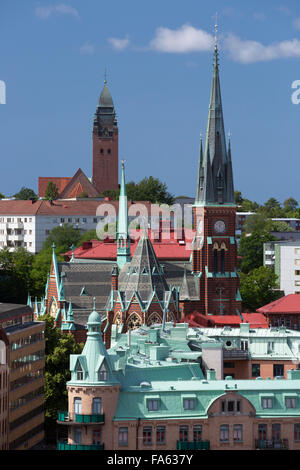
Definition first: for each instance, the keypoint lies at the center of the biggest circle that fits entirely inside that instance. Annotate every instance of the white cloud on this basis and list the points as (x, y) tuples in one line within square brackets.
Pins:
[(247, 51), (45, 12), (182, 40), (87, 49), (119, 44)]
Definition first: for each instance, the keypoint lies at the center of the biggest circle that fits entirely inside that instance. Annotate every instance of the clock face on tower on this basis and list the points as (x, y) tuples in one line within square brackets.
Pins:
[(219, 226)]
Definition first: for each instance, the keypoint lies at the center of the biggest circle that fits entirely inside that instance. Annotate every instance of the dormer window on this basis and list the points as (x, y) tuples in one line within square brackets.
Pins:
[(79, 372), (102, 373)]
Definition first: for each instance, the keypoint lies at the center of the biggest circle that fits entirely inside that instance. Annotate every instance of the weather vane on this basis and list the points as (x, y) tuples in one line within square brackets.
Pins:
[(105, 75)]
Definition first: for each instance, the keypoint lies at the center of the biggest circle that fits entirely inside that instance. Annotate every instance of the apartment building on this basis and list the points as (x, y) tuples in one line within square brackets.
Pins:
[(149, 392), (22, 339)]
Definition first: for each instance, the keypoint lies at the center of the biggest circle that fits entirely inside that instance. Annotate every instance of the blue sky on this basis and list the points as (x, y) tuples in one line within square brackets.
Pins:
[(158, 56)]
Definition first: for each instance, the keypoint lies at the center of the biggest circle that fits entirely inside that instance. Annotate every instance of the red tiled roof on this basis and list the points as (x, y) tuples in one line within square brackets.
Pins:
[(107, 249), (287, 304), (256, 320), (58, 207), (60, 181)]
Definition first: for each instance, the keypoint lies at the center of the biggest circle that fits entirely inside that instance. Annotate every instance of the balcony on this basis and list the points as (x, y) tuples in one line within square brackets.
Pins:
[(272, 444), (63, 445), (235, 354), (64, 417), (193, 445)]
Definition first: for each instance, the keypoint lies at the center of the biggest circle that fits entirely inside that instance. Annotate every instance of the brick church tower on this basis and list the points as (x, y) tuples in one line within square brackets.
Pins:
[(214, 256), (105, 144)]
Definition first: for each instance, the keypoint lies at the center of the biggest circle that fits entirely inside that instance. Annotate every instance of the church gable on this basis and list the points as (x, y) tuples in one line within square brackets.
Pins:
[(79, 184)]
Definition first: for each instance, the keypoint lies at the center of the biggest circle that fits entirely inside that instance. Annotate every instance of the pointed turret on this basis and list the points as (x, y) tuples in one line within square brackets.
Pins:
[(215, 182), (123, 239), (143, 274)]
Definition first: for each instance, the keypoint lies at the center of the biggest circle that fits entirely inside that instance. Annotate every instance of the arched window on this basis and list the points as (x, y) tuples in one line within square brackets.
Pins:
[(223, 249), (215, 257)]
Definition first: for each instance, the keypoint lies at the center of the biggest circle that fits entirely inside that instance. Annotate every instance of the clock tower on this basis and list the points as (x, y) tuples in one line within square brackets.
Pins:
[(214, 255), (105, 144)]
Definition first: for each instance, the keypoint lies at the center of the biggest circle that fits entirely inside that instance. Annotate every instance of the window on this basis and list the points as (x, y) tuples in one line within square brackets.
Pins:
[(147, 435), (97, 406), (95, 220), (160, 435), (297, 262), (101, 150), (224, 433), (77, 406), (255, 370), (278, 370), (270, 346), (108, 151), (102, 373), (230, 406), (189, 404), (152, 405), (79, 372), (267, 402), (297, 272), (96, 437), (69, 219), (276, 432), (244, 345), (197, 432), (62, 219), (297, 283), (297, 251), (262, 432), (290, 402), (123, 437), (238, 433), (297, 432), (229, 365), (183, 433), (84, 220), (215, 261), (77, 435)]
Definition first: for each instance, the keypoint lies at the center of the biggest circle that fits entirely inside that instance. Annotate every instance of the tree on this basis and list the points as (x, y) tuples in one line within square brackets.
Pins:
[(251, 250), (58, 349), (2, 196), (258, 288), (238, 197), (148, 189), (290, 204), (63, 236), (51, 192), (15, 275), (25, 194)]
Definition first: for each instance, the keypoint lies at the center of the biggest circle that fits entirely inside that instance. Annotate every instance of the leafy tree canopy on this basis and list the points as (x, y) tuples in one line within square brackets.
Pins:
[(59, 347), (259, 287), (148, 189), (51, 192), (26, 193)]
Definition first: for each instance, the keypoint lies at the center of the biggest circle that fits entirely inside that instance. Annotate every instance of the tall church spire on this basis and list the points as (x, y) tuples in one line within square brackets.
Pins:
[(123, 239), (215, 166)]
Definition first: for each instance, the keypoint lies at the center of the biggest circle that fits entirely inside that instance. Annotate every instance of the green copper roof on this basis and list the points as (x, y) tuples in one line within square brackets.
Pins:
[(123, 239), (105, 100)]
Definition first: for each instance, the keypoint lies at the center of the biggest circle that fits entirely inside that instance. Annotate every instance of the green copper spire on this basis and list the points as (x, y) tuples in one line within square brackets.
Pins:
[(123, 239), (215, 180)]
